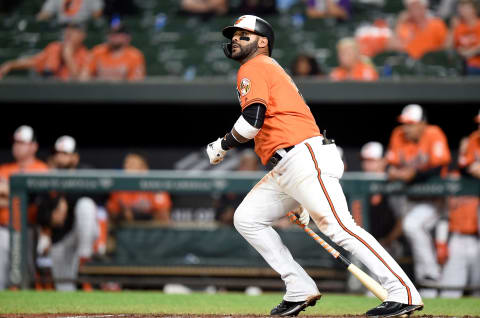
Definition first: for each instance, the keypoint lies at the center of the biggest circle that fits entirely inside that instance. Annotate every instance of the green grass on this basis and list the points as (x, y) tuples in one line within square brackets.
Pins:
[(223, 303)]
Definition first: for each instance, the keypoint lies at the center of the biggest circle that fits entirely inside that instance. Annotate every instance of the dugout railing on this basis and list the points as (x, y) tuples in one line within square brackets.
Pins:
[(357, 186)]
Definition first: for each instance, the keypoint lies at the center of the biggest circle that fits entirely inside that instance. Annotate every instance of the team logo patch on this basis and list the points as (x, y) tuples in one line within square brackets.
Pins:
[(245, 86)]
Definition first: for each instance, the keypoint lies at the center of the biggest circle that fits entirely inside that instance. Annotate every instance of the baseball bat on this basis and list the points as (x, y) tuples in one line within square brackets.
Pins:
[(371, 284)]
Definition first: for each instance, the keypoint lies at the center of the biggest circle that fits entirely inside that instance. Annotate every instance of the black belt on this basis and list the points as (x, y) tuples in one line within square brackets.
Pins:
[(275, 159)]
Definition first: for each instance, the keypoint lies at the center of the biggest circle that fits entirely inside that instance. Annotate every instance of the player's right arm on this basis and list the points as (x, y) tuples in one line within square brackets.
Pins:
[(253, 93)]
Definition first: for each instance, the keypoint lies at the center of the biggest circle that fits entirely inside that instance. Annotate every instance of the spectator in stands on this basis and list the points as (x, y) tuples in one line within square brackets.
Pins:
[(417, 31), (60, 59), (373, 39), (24, 151), (339, 9), (257, 7), (466, 35), (205, 7), (418, 151), (67, 222), (306, 65), (115, 60), (138, 205), (228, 202), (68, 11), (353, 66)]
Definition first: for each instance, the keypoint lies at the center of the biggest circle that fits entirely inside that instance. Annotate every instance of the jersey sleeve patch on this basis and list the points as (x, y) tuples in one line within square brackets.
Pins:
[(245, 86)]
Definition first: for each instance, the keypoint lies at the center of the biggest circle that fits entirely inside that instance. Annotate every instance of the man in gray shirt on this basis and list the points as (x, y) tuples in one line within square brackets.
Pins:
[(68, 11)]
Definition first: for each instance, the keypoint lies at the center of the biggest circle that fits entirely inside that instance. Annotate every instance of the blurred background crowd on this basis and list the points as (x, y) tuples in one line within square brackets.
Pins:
[(336, 39), (435, 239)]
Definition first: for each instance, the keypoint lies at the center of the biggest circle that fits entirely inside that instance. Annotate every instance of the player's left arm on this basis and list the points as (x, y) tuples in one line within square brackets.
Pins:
[(246, 128)]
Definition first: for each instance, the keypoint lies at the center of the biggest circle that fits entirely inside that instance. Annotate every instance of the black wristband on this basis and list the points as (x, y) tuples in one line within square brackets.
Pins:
[(228, 142)]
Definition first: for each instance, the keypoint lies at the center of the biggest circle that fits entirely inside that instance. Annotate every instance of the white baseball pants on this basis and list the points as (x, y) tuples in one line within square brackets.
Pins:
[(4, 256), (462, 267), (417, 224), (78, 243), (309, 175)]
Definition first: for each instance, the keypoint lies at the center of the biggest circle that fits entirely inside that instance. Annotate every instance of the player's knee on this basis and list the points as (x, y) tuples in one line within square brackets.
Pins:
[(241, 221), (86, 208)]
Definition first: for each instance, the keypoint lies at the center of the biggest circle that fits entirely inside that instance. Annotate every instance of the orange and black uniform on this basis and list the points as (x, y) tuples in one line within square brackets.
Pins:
[(288, 119), (429, 156), (8, 169), (472, 154), (144, 205)]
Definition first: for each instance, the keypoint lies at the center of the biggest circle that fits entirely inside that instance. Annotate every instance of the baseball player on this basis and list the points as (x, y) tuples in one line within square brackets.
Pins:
[(469, 161), (24, 151), (458, 244), (68, 223), (306, 172), (416, 152)]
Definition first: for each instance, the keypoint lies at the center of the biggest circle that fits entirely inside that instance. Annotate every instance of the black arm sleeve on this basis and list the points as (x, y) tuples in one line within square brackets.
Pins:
[(255, 114)]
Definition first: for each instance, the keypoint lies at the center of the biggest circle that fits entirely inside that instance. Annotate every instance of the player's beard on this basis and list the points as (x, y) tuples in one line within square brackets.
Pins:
[(245, 51)]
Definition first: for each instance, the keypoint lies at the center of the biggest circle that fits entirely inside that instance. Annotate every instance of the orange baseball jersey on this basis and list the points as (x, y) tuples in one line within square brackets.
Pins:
[(8, 169), (147, 201), (467, 37), (127, 64), (429, 152), (463, 214), (361, 72), (418, 41), (288, 119), (472, 153), (51, 59)]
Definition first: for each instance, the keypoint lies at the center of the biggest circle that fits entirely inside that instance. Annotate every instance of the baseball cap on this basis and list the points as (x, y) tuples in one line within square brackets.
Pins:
[(65, 144), (24, 133), (411, 114), (372, 150)]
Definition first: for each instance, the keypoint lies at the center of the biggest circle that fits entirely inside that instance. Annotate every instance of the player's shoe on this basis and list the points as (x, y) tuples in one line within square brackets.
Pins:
[(392, 309), (293, 308)]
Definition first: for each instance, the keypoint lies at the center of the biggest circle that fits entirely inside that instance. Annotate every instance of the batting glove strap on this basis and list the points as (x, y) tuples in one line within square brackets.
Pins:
[(215, 151)]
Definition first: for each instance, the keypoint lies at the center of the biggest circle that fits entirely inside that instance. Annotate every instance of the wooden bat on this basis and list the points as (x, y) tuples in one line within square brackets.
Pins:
[(371, 284)]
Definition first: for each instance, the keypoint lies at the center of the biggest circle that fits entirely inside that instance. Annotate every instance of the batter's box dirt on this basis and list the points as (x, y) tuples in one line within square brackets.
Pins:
[(189, 316)]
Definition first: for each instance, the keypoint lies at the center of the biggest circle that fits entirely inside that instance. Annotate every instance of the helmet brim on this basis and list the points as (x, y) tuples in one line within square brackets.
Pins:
[(229, 31)]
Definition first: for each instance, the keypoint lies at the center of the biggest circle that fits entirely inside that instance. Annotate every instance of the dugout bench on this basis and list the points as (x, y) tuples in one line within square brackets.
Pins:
[(357, 186)]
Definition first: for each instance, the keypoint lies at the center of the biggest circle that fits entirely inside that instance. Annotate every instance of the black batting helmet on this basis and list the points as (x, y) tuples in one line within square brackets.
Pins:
[(249, 23)]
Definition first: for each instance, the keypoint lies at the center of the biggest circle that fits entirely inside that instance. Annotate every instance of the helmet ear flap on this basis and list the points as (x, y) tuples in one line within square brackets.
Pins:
[(227, 49)]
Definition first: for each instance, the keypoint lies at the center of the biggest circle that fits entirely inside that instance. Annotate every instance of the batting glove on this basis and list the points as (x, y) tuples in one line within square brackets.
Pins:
[(215, 151), (442, 252), (302, 215)]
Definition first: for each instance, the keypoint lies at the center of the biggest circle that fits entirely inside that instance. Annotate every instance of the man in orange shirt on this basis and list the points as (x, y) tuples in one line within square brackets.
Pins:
[(416, 152), (115, 60), (306, 173), (418, 32), (466, 35), (469, 161), (62, 60), (353, 66), (138, 205), (24, 150), (457, 242)]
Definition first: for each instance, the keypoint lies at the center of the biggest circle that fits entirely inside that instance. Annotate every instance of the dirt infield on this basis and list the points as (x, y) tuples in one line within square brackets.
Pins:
[(186, 316)]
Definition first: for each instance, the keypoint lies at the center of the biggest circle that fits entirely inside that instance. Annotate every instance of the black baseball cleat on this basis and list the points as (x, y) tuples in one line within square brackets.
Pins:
[(392, 309), (293, 308)]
